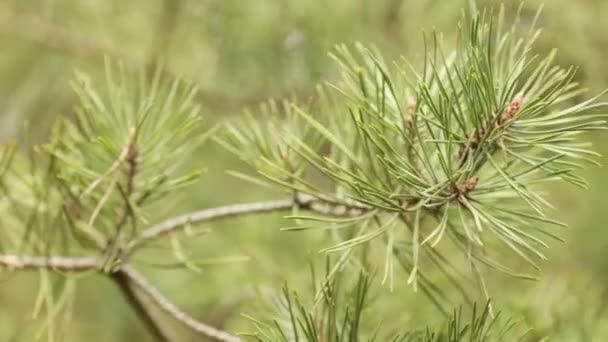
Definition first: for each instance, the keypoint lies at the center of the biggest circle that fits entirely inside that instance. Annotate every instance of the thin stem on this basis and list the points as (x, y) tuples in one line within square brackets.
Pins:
[(136, 279), (126, 286), (60, 263), (128, 281), (176, 223), (165, 29), (205, 215), (126, 190)]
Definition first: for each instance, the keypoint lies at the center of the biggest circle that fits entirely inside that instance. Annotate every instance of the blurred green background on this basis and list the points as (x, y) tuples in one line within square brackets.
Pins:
[(240, 53)]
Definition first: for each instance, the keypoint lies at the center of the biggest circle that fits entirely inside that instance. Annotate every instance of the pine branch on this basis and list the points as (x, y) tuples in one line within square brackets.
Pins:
[(206, 215), (170, 308), (127, 279), (59, 263), (127, 287), (126, 191), (498, 123), (402, 147)]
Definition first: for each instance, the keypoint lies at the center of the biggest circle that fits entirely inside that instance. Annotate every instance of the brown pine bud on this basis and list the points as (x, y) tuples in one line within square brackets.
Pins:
[(513, 107), (410, 109)]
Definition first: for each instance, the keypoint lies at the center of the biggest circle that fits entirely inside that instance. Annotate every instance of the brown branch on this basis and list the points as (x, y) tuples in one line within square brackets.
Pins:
[(59, 263), (477, 136), (127, 288), (136, 279), (127, 190), (206, 215), (126, 153), (128, 281), (131, 276), (165, 28)]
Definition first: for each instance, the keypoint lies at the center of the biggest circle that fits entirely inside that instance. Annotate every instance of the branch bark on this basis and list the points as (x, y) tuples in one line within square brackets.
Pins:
[(129, 281), (126, 286), (136, 279), (206, 215), (59, 263)]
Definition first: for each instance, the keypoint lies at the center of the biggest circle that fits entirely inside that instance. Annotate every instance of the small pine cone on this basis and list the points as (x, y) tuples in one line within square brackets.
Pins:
[(410, 109), (513, 107), (469, 185)]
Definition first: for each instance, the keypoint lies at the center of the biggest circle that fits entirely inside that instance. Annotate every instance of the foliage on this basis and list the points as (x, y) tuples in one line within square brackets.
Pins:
[(463, 142), (422, 169), (341, 313)]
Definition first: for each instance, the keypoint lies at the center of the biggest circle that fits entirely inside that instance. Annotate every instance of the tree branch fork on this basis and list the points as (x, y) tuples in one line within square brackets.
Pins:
[(133, 284)]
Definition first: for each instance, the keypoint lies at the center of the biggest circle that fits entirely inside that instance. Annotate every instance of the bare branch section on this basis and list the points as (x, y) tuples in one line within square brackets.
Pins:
[(129, 281), (59, 263), (206, 215), (136, 279), (134, 299)]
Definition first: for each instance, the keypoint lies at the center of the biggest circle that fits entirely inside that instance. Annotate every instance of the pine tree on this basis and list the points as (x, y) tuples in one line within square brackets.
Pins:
[(427, 172)]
